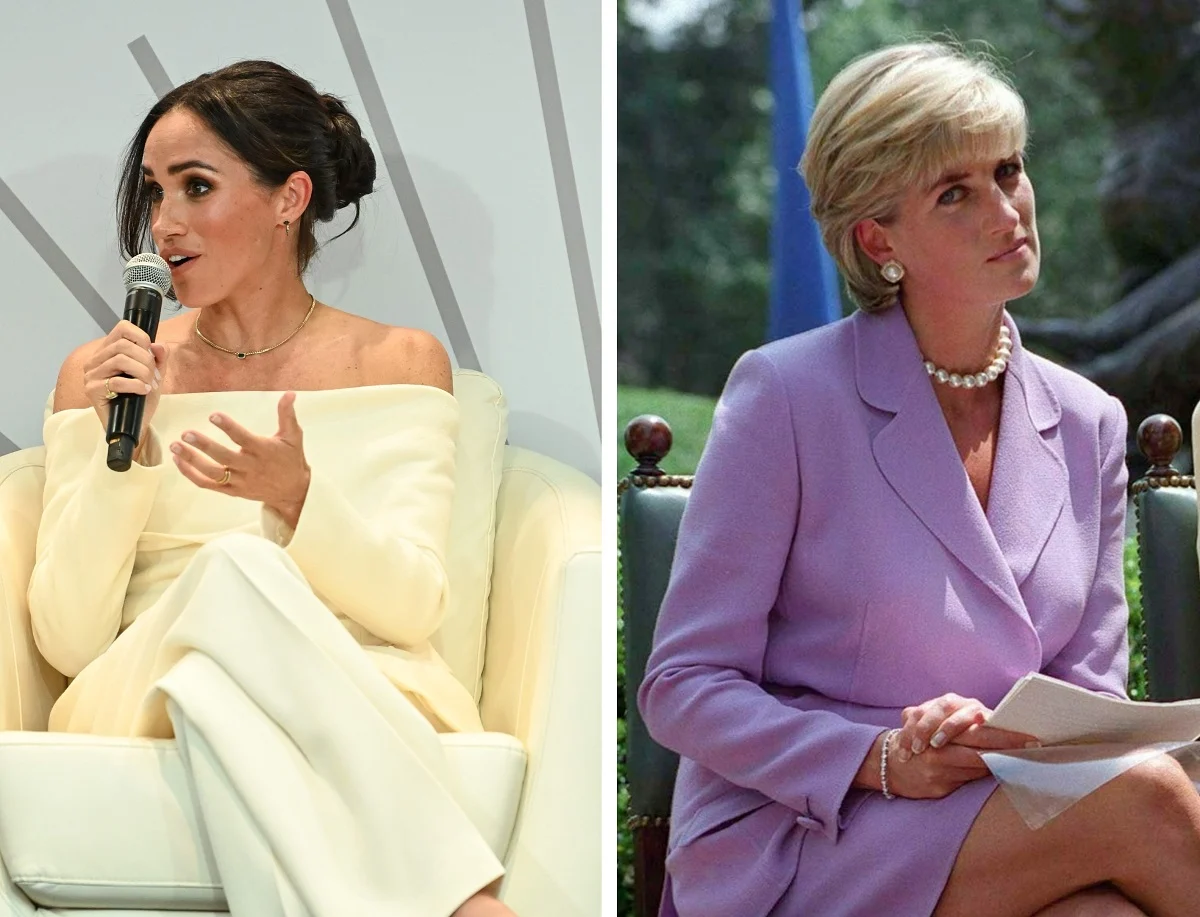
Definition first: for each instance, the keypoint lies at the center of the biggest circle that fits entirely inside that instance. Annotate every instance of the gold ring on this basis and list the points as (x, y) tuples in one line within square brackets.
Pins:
[(109, 394), (225, 477)]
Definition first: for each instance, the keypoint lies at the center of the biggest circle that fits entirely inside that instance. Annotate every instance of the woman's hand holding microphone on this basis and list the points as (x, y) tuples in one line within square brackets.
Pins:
[(125, 350)]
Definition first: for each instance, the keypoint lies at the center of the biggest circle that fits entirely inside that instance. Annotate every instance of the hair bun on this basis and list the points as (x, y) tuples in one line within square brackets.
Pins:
[(353, 158)]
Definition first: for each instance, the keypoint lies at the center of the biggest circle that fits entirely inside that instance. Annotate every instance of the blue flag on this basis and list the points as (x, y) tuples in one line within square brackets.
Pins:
[(804, 281)]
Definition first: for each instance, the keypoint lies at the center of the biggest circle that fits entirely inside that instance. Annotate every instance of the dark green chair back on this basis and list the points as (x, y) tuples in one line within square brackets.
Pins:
[(651, 505), (1164, 502)]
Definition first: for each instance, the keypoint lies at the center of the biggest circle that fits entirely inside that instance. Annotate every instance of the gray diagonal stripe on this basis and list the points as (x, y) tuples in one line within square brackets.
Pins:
[(7, 445), (402, 182), (152, 68), (568, 193), (56, 259)]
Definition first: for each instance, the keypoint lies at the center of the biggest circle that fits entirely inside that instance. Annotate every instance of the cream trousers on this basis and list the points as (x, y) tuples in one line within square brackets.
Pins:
[(323, 790)]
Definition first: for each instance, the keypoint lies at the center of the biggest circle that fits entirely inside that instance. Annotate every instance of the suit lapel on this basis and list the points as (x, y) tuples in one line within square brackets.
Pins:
[(1029, 475), (916, 455)]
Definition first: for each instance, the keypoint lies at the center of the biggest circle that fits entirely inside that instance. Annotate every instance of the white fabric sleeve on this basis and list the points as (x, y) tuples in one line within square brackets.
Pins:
[(371, 537), (87, 539)]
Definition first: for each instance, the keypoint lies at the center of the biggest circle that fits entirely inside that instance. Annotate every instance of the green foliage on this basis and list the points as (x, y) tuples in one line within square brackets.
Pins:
[(1137, 642), (693, 199), (695, 182)]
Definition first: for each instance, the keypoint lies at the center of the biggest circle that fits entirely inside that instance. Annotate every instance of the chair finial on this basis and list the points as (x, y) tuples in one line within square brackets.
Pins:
[(1160, 437), (648, 439)]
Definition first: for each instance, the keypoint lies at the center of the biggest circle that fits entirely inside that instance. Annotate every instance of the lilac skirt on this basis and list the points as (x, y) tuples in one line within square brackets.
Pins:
[(891, 859)]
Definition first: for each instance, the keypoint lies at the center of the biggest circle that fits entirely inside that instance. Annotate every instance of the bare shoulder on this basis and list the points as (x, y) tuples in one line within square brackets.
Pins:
[(68, 391), (394, 355)]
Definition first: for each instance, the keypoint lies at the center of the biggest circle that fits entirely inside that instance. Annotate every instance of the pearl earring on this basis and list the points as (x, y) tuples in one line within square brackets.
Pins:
[(892, 271)]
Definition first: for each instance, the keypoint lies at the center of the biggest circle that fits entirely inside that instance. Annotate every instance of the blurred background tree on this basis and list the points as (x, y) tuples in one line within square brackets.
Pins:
[(695, 181)]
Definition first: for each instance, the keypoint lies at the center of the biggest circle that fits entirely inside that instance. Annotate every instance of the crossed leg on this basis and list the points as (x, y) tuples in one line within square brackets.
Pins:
[(1090, 860), (1100, 901)]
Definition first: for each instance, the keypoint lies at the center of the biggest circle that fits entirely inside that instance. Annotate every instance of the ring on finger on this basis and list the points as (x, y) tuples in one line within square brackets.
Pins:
[(109, 394), (225, 477)]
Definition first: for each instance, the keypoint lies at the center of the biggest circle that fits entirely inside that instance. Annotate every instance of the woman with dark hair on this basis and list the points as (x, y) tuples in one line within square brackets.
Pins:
[(294, 460)]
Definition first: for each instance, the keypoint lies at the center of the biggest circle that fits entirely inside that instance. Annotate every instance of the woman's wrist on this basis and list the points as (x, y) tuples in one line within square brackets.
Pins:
[(867, 777), (884, 785), (289, 510)]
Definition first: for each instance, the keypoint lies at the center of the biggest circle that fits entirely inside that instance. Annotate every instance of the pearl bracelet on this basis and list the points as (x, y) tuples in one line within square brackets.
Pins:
[(883, 759)]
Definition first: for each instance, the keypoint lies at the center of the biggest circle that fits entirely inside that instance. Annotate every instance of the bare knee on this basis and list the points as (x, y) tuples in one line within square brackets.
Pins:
[(1155, 799), (1160, 792), (1098, 901)]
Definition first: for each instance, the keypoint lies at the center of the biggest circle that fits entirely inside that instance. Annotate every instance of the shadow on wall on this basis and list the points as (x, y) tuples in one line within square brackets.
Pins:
[(556, 439), (336, 261), (469, 257), (463, 232)]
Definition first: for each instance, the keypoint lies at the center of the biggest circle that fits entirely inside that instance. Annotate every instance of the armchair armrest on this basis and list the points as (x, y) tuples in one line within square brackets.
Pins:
[(28, 684), (542, 675)]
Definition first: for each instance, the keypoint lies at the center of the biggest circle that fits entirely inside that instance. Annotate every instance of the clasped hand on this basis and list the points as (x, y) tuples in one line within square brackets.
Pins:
[(938, 747), (268, 469)]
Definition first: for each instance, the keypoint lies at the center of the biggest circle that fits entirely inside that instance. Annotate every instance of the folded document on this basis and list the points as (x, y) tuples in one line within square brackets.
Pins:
[(1059, 713)]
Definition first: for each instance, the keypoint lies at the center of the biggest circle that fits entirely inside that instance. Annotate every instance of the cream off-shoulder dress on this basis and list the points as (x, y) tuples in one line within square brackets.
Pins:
[(292, 667)]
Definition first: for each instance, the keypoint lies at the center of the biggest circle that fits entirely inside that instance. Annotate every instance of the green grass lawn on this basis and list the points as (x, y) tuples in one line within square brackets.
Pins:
[(690, 417)]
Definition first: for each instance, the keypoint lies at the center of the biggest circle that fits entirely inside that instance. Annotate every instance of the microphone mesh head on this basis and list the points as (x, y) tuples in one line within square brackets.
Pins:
[(147, 270)]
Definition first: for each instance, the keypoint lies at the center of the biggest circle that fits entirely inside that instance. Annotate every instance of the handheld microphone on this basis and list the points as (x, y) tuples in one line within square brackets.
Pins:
[(147, 279)]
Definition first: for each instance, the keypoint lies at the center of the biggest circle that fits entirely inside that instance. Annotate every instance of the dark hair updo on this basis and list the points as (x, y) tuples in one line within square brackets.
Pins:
[(278, 123)]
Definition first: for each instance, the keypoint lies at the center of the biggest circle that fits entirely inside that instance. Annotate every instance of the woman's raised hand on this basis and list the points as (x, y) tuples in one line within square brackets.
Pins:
[(268, 469), (937, 747), (126, 349)]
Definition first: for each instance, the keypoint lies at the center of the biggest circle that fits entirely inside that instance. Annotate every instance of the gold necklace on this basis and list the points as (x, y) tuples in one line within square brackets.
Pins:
[(242, 354)]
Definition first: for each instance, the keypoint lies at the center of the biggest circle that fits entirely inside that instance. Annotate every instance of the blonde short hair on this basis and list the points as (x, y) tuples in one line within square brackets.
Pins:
[(896, 119)]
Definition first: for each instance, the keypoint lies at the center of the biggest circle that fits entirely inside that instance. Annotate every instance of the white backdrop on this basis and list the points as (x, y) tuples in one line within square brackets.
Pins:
[(484, 229)]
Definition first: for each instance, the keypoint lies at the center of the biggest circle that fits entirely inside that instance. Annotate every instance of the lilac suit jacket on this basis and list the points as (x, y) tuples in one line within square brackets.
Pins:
[(834, 566)]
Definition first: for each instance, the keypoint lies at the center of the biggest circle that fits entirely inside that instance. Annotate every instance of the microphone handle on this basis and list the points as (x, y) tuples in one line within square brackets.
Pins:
[(143, 306)]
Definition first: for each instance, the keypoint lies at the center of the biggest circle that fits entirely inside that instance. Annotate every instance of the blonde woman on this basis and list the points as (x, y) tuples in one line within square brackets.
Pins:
[(930, 512)]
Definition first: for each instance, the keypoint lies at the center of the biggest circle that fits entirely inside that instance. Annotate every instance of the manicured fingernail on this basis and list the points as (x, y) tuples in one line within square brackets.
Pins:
[(216, 419), (918, 746), (903, 754), (157, 376), (1033, 744), (149, 388), (938, 740), (176, 448), (189, 438)]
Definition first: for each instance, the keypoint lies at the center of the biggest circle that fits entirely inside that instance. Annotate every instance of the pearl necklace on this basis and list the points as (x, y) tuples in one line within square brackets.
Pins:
[(977, 380)]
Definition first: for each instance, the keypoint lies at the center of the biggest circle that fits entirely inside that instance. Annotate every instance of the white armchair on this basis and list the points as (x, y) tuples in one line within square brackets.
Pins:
[(107, 826)]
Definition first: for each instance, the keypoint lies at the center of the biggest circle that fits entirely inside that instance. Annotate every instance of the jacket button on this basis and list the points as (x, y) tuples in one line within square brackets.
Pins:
[(812, 824)]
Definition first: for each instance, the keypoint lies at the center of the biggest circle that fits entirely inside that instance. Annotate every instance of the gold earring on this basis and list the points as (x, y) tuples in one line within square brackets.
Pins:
[(287, 227), (892, 271)]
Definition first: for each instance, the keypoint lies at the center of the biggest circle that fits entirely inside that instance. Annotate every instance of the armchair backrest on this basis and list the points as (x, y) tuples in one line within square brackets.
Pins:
[(1164, 502), (32, 685), (651, 506)]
